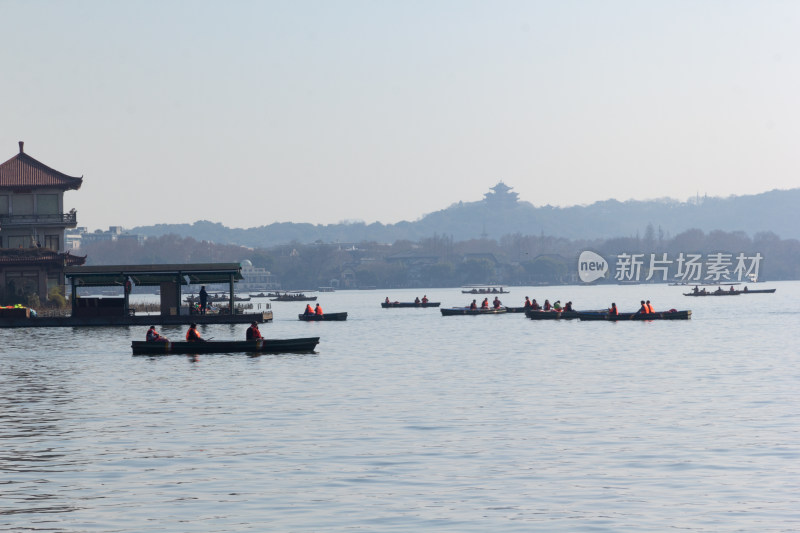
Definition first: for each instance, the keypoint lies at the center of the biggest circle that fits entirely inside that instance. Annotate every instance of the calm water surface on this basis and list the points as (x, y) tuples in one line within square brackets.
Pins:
[(405, 420)]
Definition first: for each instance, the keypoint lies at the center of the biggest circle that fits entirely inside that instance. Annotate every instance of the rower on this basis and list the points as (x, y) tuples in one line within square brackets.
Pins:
[(650, 309), (613, 310), (527, 303), (496, 303), (252, 332), (425, 299), (473, 305), (547, 305), (416, 300), (318, 310), (485, 303), (192, 335), (535, 305), (310, 310), (557, 305), (643, 309), (568, 306), (153, 336)]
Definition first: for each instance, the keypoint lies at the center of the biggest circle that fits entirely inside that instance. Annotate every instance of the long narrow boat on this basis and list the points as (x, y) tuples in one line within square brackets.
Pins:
[(409, 304), (551, 315), (729, 293), (321, 318), (453, 311), (664, 315), (301, 345)]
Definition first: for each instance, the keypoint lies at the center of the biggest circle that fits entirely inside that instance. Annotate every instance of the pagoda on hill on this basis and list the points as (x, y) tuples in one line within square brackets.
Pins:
[(501, 195), (32, 224)]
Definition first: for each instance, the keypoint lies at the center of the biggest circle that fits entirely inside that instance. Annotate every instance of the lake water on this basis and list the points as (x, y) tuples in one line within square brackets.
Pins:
[(404, 420)]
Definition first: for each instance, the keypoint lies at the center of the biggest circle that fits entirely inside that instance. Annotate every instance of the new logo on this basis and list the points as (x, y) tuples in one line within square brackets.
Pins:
[(591, 266)]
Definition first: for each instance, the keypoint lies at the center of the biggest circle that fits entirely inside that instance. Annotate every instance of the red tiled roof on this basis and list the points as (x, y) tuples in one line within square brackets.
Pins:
[(23, 171)]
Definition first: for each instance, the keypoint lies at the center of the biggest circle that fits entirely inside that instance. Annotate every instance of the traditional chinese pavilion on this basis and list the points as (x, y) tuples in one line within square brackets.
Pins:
[(32, 224)]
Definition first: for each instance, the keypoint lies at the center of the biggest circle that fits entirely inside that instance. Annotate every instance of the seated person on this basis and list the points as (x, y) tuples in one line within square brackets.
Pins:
[(473, 305), (192, 335), (535, 305), (253, 333), (309, 310), (153, 336)]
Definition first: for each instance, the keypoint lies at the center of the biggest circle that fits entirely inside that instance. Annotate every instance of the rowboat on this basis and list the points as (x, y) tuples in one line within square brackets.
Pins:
[(729, 293), (322, 318), (483, 289), (409, 304), (664, 315), (551, 315), (293, 296), (301, 345), (453, 311)]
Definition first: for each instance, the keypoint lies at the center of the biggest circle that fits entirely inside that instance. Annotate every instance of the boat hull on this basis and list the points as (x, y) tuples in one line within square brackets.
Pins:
[(455, 311), (409, 304), (730, 293), (322, 318), (551, 315), (665, 315), (300, 345)]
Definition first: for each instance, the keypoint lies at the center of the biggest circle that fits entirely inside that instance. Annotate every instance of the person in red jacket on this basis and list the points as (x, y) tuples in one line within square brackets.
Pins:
[(253, 333), (192, 335), (613, 310)]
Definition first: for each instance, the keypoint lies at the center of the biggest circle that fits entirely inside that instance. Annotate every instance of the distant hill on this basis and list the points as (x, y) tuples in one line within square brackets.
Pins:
[(501, 213)]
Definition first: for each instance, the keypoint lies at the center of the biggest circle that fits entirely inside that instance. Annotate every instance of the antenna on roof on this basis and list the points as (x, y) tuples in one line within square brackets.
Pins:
[(21, 144)]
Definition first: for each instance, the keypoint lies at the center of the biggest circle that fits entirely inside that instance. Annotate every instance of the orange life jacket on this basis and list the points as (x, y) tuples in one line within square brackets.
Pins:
[(650, 308), (318, 310), (192, 335)]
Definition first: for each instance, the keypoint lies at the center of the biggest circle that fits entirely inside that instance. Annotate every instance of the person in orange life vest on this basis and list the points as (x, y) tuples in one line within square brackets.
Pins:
[(318, 310), (485, 303), (153, 336), (613, 310), (192, 335), (650, 309), (527, 303), (643, 309), (547, 305), (535, 305), (425, 299), (253, 333), (473, 305), (309, 310), (496, 303)]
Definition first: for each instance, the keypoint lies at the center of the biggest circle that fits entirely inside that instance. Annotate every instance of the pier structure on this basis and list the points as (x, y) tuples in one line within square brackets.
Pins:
[(116, 311)]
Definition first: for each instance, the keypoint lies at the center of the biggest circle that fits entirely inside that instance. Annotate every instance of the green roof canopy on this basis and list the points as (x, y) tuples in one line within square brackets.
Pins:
[(113, 275)]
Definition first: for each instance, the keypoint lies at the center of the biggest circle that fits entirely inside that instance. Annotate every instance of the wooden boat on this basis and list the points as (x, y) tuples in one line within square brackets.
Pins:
[(293, 296), (663, 315), (483, 289), (409, 304), (551, 315), (217, 298), (321, 318), (729, 293), (453, 311), (301, 345)]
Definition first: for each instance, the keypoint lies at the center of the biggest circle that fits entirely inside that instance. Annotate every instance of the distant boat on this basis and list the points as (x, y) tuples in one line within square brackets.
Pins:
[(293, 296), (454, 311), (483, 289)]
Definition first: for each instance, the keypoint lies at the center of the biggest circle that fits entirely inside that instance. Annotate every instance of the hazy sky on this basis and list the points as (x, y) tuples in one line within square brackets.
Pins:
[(249, 113)]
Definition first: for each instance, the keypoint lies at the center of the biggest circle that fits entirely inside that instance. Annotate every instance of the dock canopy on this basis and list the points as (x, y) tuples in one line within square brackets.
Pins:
[(149, 275)]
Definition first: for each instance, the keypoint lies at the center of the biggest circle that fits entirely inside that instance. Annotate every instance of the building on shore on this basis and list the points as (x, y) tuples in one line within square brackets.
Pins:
[(33, 220)]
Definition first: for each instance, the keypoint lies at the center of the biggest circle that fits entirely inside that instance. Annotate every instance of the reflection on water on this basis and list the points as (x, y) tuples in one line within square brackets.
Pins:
[(405, 420)]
